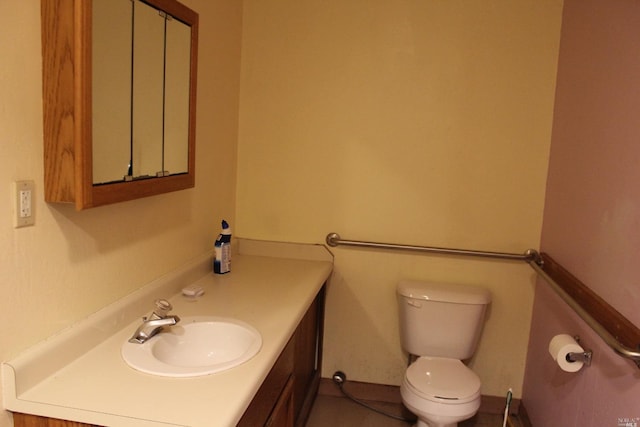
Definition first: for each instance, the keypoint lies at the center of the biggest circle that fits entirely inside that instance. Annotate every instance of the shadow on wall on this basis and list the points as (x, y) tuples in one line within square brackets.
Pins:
[(355, 334), (109, 228)]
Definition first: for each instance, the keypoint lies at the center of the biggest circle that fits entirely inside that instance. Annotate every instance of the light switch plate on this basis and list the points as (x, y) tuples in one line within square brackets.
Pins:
[(24, 212)]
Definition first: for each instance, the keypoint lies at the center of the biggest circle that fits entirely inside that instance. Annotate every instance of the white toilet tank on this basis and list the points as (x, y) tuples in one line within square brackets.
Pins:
[(441, 320)]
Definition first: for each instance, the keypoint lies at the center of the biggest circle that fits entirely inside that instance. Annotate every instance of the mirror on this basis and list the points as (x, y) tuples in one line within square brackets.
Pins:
[(130, 86), (140, 86)]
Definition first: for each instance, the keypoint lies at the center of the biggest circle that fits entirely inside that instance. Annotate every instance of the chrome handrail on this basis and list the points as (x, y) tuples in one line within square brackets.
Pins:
[(334, 239)]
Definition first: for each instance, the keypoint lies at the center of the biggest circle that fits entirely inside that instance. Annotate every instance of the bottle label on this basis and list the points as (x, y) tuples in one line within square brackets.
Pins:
[(222, 261)]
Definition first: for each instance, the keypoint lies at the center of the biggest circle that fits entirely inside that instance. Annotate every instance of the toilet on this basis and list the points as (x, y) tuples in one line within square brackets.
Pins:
[(440, 325)]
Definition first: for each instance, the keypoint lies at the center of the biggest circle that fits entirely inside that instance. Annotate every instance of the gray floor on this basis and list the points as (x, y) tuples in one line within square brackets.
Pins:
[(330, 411)]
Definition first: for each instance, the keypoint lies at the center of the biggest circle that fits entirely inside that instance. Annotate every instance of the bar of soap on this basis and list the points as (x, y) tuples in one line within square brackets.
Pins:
[(192, 291)]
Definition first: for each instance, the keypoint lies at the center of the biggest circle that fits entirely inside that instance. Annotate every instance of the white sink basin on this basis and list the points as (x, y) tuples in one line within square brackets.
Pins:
[(199, 345)]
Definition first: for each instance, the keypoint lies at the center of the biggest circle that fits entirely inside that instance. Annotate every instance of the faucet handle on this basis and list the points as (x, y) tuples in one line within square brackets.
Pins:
[(163, 307)]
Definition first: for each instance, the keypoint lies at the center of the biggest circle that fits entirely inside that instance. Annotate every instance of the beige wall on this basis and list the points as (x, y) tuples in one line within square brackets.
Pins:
[(418, 122), (415, 122), (71, 263)]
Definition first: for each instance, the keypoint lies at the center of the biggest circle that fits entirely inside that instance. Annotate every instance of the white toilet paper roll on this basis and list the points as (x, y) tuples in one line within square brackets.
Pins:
[(560, 346)]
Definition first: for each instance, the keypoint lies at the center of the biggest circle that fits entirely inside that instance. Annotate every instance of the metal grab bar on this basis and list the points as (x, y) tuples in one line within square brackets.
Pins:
[(607, 337), (333, 240), (531, 256)]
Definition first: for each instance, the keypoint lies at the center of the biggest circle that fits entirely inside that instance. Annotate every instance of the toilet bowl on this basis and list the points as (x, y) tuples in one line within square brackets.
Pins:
[(440, 391), (440, 324)]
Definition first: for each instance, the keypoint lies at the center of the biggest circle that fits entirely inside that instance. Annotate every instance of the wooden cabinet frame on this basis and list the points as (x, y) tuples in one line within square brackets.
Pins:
[(66, 75)]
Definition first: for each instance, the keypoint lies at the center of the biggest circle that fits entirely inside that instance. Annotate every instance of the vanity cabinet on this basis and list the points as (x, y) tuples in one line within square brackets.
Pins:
[(25, 420), (286, 395)]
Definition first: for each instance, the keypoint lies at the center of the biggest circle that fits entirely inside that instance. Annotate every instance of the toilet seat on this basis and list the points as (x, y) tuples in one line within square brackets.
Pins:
[(443, 380)]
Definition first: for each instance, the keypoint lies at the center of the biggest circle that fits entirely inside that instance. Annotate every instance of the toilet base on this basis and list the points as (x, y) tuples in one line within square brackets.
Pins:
[(422, 423)]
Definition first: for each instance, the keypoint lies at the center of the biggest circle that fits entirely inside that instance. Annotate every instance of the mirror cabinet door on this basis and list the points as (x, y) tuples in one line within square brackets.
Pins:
[(141, 69), (111, 89), (148, 90), (177, 77)]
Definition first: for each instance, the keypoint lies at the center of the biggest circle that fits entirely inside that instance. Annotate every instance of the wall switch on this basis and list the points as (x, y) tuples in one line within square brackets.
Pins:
[(24, 213)]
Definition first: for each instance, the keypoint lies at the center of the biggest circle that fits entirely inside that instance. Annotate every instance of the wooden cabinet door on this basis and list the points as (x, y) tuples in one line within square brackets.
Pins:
[(25, 420), (282, 415), (270, 391), (308, 359)]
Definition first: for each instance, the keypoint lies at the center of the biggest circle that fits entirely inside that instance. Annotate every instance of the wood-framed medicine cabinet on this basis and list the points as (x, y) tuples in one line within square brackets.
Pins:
[(119, 99)]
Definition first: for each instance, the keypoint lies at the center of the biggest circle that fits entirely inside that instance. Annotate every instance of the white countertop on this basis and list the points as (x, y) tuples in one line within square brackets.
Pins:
[(79, 375)]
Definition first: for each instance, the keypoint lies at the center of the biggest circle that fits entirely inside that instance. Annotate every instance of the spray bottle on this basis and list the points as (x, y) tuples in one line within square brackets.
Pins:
[(222, 260)]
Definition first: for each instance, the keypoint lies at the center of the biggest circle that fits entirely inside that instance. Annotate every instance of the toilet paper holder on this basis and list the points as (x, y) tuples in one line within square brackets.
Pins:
[(584, 357)]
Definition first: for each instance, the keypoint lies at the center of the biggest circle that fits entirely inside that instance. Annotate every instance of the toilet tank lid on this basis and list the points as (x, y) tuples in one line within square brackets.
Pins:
[(444, 292)]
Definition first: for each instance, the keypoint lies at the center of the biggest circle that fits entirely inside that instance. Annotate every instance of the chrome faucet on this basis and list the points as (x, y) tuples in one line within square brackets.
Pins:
[(155, 322)]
